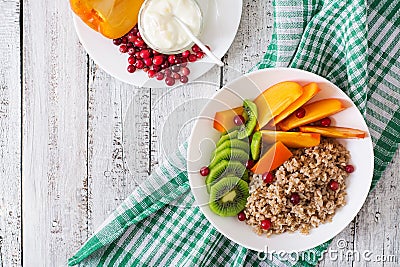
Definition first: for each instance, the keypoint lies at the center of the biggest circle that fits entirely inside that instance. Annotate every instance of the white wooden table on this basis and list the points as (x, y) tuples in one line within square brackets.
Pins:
[(62, 162)]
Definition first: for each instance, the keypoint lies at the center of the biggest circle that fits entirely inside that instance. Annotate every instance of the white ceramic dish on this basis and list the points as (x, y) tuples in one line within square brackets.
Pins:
[(204, 136), (221, 21)]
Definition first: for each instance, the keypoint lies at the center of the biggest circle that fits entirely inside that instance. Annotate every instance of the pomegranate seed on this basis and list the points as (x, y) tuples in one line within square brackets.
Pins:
[(158, 60), (123, 49), (249, 164), (176, 76), (196, 48), (268, 178), (200, 54), (349, 168), (170, 81), (175, 68), (294, 198), (192, 58), (185, 71), (186, 54), (131, 69), (171, 59), (333, 185), (326, 122), (266, 224), (145, 53), (117, 41), (137, 55), (139, 64), (300, 113), (204, 171), (148, 61), (238, 120), (159, 76), (131, 60), (184, 79), (151, 73), (124, 40), (241, 216), (139, 42)]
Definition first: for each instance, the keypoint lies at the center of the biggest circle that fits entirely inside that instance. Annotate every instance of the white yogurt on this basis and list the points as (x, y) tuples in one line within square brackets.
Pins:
[(159, 28)]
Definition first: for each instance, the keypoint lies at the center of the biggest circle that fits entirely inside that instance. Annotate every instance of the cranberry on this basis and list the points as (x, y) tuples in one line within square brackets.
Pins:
[(184, 79), (117, 41), (151, 73), (326, 122), (159, 76), (131, 51), (124, 40), (146, 69), (294, 198), (175, 68), (148, 61), (186, 54), (249, 164), (168, 72), (268, 178), (156, 68), (238, 120), (349, 168), (176, 76), (200, 54), (165, 65), (196, 48), (185, 71), (131, 68), (241, 216), (184, 60), (131, 60), (158, 60), (204, 171), (145, 53), (192, 58), (134, 30), (123, 49), (333, 185), (137, 55), (155, 52), (178, 60), (266, 224), (132, 37), (139, 64), (183, 64), (139, 34), (171, 59), (139, 42), (300, 113), (170, 81)]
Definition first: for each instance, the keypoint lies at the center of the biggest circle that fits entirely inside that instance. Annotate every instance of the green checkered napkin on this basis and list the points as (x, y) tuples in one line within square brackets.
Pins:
[(353, 43)]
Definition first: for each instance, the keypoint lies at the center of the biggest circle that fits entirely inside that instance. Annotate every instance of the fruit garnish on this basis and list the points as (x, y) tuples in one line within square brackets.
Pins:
[(300, 113), (112, 18), (334, 132), (255, 146), (250, 164), (241, 216), (250, 114), (265, 224), (294, 198), (229, 154), (238, 120), (349, 168), (291, 139), (325, 122), (228, 196), (276, 99), (314, 112), (223, 120), (333, 185), (225, 168), (276, 155), (267, 177), (204, 171), (226, 136)]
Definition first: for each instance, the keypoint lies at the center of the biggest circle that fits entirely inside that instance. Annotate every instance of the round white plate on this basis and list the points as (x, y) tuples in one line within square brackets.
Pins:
[(204, 136), (221, 21)]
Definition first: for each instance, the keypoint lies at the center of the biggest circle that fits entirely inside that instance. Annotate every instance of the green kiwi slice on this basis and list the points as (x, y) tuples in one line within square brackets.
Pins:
[(229, 154), (255, 146), (228, 196), (226, 168), (227, 136), (250, 113), (231, 143)]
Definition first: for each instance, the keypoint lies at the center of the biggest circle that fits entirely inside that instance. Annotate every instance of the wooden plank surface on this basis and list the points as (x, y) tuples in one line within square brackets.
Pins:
[(89, 140)]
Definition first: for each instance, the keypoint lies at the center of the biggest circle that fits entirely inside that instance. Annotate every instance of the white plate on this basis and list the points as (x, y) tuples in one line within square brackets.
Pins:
[(221, 21), (204, 136)]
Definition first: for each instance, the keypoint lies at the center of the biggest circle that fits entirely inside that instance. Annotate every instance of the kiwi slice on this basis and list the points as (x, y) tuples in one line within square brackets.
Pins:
[(250, 114), (255, 146), (231, 143), (227, 136), (225, 168), (229, 154), (229, 196)]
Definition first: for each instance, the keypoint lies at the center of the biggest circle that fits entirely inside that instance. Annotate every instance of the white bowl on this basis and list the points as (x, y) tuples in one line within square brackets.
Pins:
[(204, 136)]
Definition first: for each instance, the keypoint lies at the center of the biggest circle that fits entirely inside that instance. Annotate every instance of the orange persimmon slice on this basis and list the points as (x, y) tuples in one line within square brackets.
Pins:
[(334, 132), (291, 139), (276, 155)]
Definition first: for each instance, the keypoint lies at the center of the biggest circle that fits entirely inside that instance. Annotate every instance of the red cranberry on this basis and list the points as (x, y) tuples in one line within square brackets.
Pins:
[(156, 68), (266, 224), (185, 71), (326, 122), (145, 53), (171, 59), (131, 68), (333, 185), (183, 64), (200, 54), (268, 178), (158, 60), (294, 198), (148, 61), (131, 51), (137, 55), (159, 76), (178, 60), (204, 171), (139, 64), (175, 68), (146, 69), (151, 73), (238, 120), (117, 41), (241, 216), (176, 76), (129, 45), (139, 42), (168, 72), (300, 113), (184, 60), (132, 37), (196, 48), (165, 65), (123, 49), (250, 164), (131, 60), (124, 40), (170, 81), (155, 52), (349, 168), (184, 79), (192, 58), (186, 54)]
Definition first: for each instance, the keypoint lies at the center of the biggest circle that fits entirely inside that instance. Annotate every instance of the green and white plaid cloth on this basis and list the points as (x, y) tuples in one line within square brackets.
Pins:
[(353, 43)]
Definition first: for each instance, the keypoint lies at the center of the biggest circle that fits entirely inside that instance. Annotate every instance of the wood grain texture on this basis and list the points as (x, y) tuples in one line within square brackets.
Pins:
[(54, 135), (10, 135)]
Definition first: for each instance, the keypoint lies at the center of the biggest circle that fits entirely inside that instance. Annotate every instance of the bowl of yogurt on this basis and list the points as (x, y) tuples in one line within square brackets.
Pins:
[(160, 29)]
